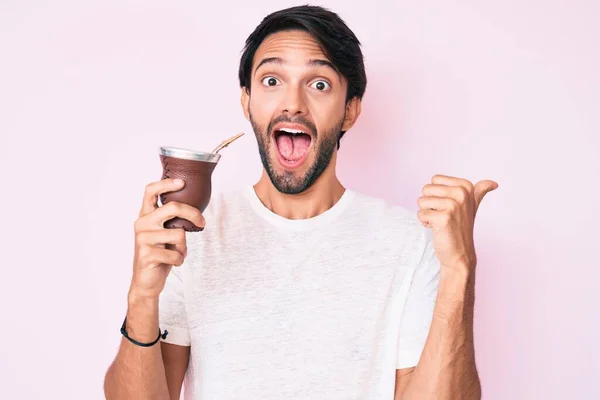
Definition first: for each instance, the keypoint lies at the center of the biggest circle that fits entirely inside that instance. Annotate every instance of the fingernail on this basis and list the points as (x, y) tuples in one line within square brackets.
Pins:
[(178, 181)]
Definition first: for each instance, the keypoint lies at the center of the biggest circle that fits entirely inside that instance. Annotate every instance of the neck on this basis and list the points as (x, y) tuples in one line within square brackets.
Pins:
[(315, 200)]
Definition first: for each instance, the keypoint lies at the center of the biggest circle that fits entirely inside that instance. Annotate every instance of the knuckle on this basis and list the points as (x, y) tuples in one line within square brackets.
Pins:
[(140, 238), (178, 261), (446, 218), (452, 205), (144, 253), (174, 206), (148, 189), (140, 224), (461, 194)]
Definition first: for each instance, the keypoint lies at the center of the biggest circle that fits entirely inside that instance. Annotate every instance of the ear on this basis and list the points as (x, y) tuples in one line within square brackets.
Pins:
[(353, 109), (245, 100)]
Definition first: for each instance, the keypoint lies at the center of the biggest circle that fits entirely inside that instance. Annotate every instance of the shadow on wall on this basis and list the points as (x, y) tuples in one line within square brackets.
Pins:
[(415, 120), (506, 322), (375, 155), (366, 159)]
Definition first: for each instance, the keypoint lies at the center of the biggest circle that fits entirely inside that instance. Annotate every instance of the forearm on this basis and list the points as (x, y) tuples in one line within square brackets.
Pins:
[(138, 372), (447, 367)]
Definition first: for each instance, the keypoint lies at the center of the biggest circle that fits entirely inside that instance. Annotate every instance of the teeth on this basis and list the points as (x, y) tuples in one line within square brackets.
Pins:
[(293, 131)]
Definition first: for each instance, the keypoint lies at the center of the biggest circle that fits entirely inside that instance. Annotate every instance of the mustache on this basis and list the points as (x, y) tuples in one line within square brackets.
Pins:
[(297, 120)]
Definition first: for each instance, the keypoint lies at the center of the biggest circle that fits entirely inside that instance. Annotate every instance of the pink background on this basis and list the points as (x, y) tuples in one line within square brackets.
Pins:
[(507, 90)]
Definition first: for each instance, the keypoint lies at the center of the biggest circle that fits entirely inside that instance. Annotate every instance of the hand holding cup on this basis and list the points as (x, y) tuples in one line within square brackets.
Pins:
[(158, 249)]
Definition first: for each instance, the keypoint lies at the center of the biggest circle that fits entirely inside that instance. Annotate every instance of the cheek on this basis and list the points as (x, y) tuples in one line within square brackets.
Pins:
[(262, 109), (327, 111), (263, 103)]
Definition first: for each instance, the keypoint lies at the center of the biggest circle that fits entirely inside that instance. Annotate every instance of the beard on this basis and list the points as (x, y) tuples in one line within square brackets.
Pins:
[(288, 182)]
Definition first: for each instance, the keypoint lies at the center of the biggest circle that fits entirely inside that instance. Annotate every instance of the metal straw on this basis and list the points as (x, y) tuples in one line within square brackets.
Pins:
[(227, 142)]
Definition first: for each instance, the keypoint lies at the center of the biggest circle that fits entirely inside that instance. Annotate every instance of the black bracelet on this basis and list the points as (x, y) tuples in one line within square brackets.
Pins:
[(160, 335)]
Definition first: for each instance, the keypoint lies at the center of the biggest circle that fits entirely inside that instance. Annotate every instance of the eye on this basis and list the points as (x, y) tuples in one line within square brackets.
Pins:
[(270, 81), (321, 85)]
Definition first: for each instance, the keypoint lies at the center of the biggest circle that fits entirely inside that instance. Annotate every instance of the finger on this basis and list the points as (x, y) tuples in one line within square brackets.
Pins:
[(452, 181), (436, 190), (457, 193), (481, 189), (155, 189), (174, 239), (434, 219), (181, 248), (424, 217), (176, 209), (157, 256), (435, 203)]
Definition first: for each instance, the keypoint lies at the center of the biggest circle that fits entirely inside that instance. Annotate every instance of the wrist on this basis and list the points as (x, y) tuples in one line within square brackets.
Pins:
[(142, 317), (460, 273), (457, 286), (137, 299)]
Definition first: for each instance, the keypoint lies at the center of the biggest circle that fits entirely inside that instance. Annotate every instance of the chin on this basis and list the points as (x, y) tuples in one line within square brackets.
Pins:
[(290, 167), (289, 178)]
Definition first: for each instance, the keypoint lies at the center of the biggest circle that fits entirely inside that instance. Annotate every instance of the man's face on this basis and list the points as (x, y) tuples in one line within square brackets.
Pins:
[(297, 108)]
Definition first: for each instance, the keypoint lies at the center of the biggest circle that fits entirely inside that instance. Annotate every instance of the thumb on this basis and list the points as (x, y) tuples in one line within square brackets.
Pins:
[(481, 188)]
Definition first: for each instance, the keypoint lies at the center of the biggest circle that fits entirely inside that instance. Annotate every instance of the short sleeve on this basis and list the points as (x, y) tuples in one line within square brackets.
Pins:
[(418, 309), (171, 309)]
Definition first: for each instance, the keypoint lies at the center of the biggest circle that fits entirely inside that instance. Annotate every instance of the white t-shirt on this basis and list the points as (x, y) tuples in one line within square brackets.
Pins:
[(321, 308)]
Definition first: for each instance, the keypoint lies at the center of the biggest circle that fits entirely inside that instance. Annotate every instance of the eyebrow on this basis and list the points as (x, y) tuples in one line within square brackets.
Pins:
[(316, 62)]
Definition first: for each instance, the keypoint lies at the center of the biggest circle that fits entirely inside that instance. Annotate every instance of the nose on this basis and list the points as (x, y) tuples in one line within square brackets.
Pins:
[(294, 102)]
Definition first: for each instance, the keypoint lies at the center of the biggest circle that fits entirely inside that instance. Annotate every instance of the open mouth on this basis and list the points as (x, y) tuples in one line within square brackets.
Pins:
[(292, 145)]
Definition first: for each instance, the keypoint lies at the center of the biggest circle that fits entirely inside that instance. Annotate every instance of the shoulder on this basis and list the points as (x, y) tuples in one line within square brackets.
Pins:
[(392, 223), (386, 214)]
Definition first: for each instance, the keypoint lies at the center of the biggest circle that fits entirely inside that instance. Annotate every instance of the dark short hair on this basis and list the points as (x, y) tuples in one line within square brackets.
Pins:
[(339, 44)]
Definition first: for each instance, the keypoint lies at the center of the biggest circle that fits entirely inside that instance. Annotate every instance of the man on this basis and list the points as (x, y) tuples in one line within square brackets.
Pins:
[(299, 288)]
